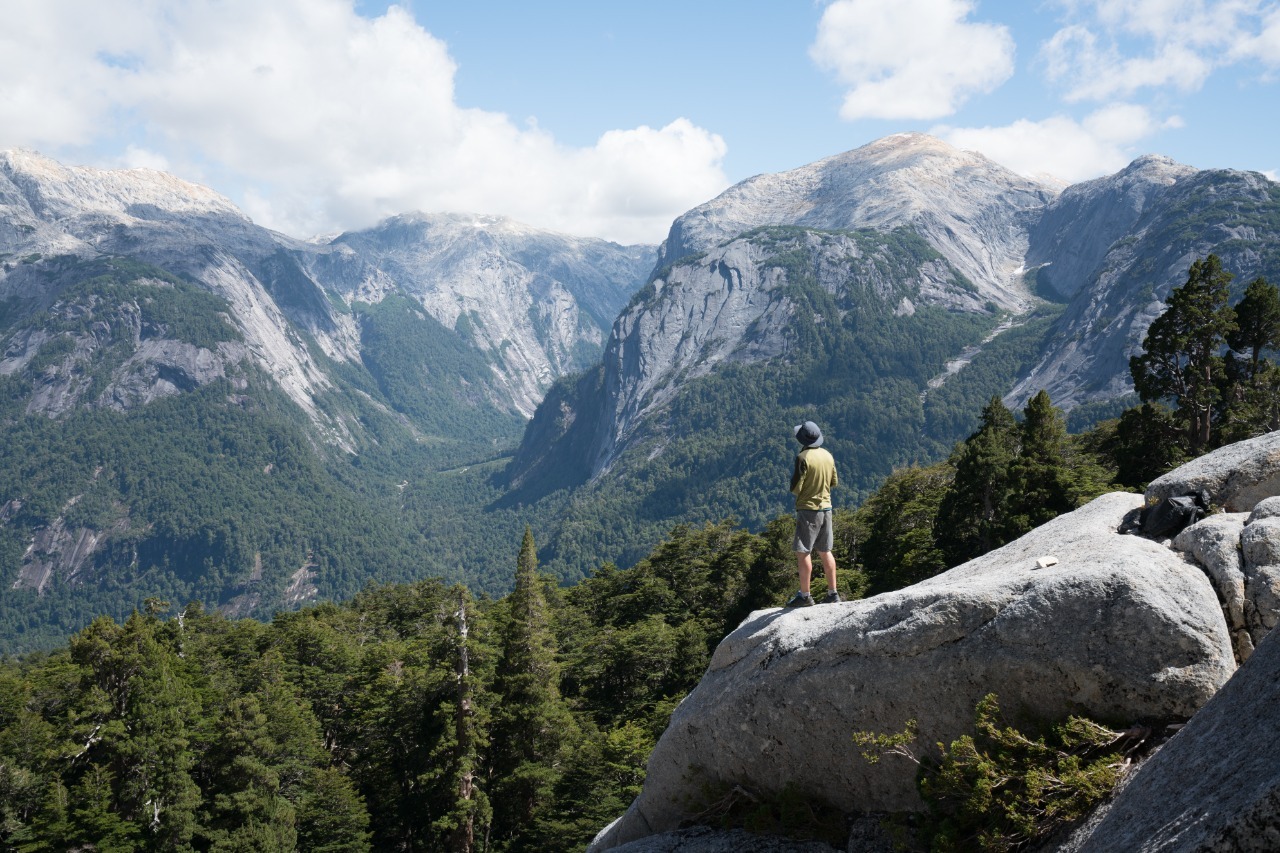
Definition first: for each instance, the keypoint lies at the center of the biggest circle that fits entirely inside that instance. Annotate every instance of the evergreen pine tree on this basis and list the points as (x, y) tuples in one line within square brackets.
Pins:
[(462, 806), (332, 817), (971, 513), (1182, 361), (144, 706), (1252, 395), (898, 544), (1041, 483), (531, 722)]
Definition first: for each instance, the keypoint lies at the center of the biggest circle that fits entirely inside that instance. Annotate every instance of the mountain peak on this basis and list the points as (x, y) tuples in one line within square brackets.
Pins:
[(1156, 168), (54, 191), (969, 208)]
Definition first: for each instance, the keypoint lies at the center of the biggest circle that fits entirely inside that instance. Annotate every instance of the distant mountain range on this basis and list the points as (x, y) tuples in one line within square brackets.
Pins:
[(163, 360)]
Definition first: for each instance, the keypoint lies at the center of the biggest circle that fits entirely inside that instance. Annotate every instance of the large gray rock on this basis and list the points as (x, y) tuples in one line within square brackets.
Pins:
[(1215, 544), (1241, 554), (1260, 549), (1120, 628), (1216, 785), (1237, 476)]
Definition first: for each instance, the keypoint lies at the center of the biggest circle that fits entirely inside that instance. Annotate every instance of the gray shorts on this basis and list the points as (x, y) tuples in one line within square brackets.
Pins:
[(813, 531)]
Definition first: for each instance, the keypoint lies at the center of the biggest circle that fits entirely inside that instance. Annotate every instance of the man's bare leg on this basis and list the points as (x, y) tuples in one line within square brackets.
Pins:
[(804, 564), (828, 568)]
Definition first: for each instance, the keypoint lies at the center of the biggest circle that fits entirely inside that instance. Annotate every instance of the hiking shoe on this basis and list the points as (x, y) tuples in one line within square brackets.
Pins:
[(831, 597), (800, 599)]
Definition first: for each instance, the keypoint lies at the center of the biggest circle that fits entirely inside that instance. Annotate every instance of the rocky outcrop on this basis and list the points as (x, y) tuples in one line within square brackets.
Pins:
[(1260, 545), (702, 839), (1215, 544), (1241, 554), (1118, 628), (1237, 477), (1215, 786)]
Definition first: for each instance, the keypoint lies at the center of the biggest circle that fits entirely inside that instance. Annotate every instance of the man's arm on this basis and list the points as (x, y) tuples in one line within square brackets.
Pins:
[(798, 474)]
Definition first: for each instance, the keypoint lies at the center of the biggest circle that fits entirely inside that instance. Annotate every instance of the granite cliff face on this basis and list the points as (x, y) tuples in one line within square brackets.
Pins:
[(537, 304), (55, 220), (732, 305)]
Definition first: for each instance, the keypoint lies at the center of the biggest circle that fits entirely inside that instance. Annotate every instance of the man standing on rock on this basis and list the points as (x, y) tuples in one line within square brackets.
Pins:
[(811, 482)]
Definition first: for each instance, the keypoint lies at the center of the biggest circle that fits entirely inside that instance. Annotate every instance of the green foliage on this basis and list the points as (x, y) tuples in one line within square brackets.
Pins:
[(1182, 358), (532, 725), (1251, 398), (971, 516), (413, 717), (896, 527), (1000, 788), (875, 745), (1213, 363), (1143, 443)]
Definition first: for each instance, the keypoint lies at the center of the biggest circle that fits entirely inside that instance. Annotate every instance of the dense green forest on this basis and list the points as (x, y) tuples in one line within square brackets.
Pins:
[(412, 718)]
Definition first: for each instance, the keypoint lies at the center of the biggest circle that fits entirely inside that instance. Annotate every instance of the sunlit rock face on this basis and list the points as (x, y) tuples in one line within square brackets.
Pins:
[(973, 211)]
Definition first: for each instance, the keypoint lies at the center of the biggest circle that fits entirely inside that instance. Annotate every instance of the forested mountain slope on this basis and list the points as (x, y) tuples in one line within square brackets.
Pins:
[(192, 406)]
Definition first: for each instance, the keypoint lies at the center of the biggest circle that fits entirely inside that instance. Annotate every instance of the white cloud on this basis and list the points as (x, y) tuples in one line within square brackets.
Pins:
[(910, 59), (1117, 48), (1264, 45), (321, 119), (1062, 147)]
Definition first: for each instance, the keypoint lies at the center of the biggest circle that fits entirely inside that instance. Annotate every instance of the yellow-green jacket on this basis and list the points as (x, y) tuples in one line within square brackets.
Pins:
[(814, 478)]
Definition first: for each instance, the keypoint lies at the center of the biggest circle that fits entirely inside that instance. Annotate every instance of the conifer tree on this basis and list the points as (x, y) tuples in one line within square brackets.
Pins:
[(332, 817), (971, 513), (898, 542), (1182, 361), (141, 716), (1252, 396), (1257, 323), (531, 721), (461, 720), (1041, 483)]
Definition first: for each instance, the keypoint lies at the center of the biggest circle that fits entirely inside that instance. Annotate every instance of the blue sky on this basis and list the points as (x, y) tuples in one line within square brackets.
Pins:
[(611, 118)]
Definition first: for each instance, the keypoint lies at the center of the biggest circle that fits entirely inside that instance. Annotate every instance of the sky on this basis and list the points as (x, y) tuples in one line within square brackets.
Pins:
[(609, 118)]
